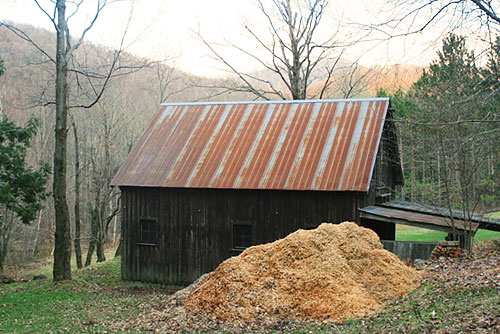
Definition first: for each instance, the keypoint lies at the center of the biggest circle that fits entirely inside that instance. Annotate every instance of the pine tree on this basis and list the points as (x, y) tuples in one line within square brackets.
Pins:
[(22, 189)]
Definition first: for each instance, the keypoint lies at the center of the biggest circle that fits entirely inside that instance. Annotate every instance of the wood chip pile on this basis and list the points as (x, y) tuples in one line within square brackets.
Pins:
[(335, 272)]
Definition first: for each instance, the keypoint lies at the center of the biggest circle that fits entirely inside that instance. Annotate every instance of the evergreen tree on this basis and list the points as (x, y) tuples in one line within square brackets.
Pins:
[(450, 123), (22, 189)]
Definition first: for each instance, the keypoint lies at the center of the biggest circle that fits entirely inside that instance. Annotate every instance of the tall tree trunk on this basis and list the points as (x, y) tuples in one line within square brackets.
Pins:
[(62, 242), (5, 230), (119, 249), (92, 243), (100, 245), (3, 250), (3, 253), (78, 248), (115, 224), (37, 233), (94, 230), (101, 233)]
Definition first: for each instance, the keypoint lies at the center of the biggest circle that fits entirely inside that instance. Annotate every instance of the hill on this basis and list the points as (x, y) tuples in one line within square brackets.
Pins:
[(113, 124)]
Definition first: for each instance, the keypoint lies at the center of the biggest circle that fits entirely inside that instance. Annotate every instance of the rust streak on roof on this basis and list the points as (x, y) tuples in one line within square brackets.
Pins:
[(325, 145), (357, 149), (373, 144)]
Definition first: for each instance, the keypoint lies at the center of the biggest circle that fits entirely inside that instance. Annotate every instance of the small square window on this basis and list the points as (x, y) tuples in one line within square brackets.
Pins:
[(242, 235), (148, 231)]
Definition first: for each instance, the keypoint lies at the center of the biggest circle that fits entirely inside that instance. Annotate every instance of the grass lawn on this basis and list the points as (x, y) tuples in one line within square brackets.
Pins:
[(87, 304), (410, 233), (78, 306), (494, 215)]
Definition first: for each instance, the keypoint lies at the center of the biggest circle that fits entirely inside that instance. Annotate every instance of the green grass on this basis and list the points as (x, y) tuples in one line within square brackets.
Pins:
[(494, 215), (410, 233), (45, 266), (84, 305)]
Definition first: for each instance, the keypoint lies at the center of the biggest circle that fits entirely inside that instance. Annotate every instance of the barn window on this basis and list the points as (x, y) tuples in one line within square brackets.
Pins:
[(242, 235), (148, 231)]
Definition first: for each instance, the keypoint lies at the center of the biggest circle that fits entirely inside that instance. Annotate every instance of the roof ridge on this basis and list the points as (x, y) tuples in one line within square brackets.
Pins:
[(368, 99)]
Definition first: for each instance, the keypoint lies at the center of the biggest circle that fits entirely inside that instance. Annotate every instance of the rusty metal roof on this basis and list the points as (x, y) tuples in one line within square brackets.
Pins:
[(291, 145)]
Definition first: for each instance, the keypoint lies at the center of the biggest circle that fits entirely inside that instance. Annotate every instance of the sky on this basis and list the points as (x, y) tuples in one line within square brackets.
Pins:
[(167, 30)]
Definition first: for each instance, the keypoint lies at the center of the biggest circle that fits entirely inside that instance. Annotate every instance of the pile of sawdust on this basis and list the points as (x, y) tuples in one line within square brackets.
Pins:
[(334, 272)]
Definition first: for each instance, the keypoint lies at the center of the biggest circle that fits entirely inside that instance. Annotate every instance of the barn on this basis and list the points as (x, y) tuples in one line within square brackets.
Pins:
[(207, 180)]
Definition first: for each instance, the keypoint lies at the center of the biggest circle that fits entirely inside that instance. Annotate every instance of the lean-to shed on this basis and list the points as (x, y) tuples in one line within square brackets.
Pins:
[(206, 180)]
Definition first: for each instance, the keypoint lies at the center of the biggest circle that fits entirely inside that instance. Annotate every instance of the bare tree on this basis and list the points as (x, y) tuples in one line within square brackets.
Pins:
[(103, 163), (414, 16), (65, 65), (78, 224), (164, 76), (295, 58), (353, 81)]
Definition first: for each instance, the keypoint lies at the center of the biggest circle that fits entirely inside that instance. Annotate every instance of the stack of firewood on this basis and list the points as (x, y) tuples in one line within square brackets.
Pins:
[(446, 249)]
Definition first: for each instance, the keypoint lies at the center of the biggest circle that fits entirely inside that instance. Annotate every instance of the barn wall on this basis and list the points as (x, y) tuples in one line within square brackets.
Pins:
[(195, 225)]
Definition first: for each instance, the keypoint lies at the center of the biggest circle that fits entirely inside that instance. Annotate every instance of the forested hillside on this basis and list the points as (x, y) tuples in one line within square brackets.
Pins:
[(105, 132)]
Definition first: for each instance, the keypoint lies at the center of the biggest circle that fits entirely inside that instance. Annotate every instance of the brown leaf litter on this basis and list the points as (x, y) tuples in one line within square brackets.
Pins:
[(475, 270)]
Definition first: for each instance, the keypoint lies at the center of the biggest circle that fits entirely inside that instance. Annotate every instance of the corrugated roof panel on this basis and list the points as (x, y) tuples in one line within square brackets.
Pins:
[(308, 157), (293, 145), (375, 133), (415, 218), (356, 161)]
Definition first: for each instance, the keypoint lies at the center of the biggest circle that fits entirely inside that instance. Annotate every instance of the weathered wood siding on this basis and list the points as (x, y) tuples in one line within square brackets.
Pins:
[(195, 225)]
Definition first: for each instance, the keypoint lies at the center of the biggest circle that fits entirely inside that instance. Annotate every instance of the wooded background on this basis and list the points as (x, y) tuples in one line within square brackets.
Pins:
[(447, 114)]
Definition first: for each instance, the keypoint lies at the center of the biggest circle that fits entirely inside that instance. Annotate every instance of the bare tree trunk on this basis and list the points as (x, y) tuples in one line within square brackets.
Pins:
[(101, 233), (90, 252), (3, 253), (119, 249), (77, 245), (37, 233), (115, 224), (5, 230), (100, 245), (93, 238), (62, 242)]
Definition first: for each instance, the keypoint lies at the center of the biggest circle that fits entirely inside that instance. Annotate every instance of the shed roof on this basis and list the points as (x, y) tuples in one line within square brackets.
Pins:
[(418, 219), (484, 222), (325, 145)]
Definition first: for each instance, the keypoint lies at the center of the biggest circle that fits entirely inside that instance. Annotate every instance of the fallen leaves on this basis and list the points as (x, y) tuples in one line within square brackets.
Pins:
[(458, 295)]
